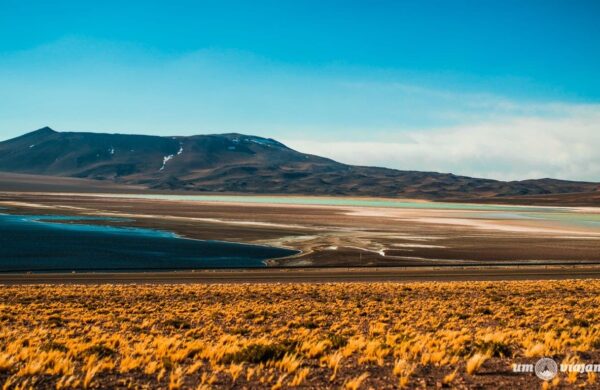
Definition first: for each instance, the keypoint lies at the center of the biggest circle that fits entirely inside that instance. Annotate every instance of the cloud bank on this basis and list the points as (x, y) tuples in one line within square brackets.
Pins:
[(506, 149)]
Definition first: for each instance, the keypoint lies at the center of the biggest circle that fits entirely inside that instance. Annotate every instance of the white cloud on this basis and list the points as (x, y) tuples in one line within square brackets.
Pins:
[(567, 147)]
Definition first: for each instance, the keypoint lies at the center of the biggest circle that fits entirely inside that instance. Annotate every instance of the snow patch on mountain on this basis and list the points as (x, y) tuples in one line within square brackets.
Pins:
[(262, 141), (165, 161)]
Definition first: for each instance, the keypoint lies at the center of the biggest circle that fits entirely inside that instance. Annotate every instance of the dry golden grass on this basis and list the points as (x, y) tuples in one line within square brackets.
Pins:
[(354, 335)]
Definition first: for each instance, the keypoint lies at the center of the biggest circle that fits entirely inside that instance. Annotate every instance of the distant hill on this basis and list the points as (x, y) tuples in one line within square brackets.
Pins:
[(242, 163)]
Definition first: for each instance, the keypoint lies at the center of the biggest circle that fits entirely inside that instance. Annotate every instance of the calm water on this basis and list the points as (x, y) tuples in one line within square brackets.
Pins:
[(331, 201), (59, 243)]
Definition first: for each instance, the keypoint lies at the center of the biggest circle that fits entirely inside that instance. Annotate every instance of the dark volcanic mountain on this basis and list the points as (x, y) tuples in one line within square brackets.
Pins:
[(241, 163)]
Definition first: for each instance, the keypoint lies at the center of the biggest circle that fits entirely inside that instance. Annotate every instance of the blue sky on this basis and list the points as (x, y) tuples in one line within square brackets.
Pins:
[(503, 89)]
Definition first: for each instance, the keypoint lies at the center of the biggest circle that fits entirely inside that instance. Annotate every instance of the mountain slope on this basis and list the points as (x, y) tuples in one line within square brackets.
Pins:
[(240, 163)]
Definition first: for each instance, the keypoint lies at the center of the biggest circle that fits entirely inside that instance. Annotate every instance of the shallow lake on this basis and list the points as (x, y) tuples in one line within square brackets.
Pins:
[(331, 201), (65, 243), (567, 216)]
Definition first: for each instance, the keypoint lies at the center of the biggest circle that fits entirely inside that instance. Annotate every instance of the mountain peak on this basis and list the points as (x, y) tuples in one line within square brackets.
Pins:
[(43, 130), (35, 135)]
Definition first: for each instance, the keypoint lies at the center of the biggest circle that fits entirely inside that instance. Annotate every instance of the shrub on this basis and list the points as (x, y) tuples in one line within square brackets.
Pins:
[(257, 353)]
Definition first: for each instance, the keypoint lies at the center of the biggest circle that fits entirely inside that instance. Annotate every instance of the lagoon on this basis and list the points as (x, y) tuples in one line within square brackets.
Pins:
[(75, 243)]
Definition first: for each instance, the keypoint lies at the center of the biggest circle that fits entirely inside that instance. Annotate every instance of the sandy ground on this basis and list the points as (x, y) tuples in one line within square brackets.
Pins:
[(342, 235)]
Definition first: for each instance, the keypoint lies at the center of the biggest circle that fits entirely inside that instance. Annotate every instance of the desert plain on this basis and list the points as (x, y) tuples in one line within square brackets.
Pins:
[(505, 284)]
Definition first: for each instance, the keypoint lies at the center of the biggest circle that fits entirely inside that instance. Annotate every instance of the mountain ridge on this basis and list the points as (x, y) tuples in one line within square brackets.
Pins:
[(235, 162)]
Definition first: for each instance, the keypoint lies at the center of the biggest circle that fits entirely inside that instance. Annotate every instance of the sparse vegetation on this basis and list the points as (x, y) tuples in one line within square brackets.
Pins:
[(354, 335)]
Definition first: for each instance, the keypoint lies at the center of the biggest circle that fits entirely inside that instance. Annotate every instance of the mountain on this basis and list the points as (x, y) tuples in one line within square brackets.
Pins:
[(242, 163)]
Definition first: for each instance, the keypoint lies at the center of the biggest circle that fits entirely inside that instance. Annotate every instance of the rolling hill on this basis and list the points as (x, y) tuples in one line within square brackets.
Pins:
[(243, 163)]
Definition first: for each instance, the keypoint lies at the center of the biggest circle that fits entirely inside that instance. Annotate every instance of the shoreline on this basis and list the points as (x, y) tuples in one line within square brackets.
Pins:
[(232, 199)]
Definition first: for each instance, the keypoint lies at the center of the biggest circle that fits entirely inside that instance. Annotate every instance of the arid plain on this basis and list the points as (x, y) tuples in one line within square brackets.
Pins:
[(352, 336), (246, 329)]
